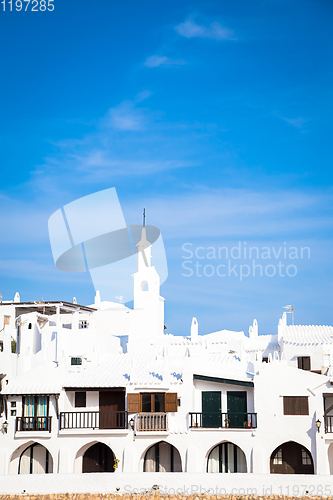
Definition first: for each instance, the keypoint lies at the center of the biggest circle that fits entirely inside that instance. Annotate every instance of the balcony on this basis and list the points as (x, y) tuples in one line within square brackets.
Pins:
[(328, 423), (93, 420), (33, 424), (223, 420), (151, 422)]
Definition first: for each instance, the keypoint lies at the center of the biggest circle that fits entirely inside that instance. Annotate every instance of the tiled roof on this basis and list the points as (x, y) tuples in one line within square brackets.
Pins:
[(307, 334), (45, 379), (261, 343)]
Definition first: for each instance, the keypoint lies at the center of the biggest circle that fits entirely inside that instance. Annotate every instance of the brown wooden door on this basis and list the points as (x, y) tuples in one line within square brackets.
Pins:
[(110, 404)]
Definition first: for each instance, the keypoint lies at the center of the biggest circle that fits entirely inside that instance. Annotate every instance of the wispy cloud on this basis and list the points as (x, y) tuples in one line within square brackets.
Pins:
[(155, 61), (214, 31), (298, 122), (238, 213)]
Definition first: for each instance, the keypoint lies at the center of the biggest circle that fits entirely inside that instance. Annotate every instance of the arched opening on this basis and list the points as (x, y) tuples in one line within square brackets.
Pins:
[(330, 457), (98, 458), (291, 458), (144, 286), (35, 459), (162, 457), (226, 457)]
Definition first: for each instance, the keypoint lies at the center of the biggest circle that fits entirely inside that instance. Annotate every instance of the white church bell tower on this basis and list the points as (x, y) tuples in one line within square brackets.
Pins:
[(147, 325)]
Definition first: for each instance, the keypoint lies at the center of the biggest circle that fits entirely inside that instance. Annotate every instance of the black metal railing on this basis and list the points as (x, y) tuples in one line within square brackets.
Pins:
[(33, 424), (93, 420), (237, 420), (328, 422)]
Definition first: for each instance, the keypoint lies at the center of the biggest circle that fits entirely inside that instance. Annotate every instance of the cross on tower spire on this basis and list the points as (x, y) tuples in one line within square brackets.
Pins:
[(144, 217)]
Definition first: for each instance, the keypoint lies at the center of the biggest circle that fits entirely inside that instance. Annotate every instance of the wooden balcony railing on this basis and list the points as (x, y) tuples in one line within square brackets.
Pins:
[(223, 420), (151, 422), (33, 424), (328, 422), (93, 420)]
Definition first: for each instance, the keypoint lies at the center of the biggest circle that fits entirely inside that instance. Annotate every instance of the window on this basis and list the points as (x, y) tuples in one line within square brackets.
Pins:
[(13, 404), (83, 323), (30, 326), (1, 345), (265, 360), (161, 402), (295, 405), (306, 459), (35, 413), (6, 320), (76, 361), (152, 403), (278, 457), (80, 399), (13, 413), (304, 363)]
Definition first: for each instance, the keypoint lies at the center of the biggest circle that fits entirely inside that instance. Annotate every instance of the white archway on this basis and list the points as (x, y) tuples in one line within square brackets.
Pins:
[(31, 457), (226, 457), (330, 458), (162, 457)]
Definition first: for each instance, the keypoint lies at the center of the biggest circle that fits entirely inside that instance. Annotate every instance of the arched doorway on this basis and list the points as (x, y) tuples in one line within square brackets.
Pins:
[(226, 457), (98, 458), (162, 457), (35, 459), (330, 458), (291, 458)]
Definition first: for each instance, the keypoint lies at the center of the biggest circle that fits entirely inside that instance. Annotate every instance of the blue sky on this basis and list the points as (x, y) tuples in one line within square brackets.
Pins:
[(214, 116)]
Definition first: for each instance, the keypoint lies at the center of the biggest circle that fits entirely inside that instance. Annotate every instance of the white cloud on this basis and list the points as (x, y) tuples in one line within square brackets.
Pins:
[(126, 116), (237, 213), (298, 122), (215, 31), (155, 61)]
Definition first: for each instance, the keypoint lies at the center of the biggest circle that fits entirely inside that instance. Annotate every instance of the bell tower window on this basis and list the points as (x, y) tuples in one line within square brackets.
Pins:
[(144, 286)]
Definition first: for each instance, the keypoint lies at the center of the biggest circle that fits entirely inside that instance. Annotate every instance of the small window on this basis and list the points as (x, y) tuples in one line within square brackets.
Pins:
[(152, 402), (6, 320), (76, 361), (304, 363), (178, 402), (13, 404), (295, 405), (80, 399), (265, 360), (1, 346), (13, 413), (278, 457), (83, 323), (306, 459), (144, 286), (29, 326)]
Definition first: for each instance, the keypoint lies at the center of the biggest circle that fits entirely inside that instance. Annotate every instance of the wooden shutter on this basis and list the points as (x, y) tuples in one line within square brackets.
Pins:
[(171, 401), (295, 405), (133, 403)]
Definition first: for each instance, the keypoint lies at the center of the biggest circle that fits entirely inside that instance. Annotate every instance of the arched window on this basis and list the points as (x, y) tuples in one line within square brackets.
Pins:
[(35, 459), (291, 458), (162, 457), (144, 286), (226, 457)]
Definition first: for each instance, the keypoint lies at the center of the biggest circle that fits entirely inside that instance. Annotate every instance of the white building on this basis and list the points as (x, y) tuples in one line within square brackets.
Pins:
[(103, 388)]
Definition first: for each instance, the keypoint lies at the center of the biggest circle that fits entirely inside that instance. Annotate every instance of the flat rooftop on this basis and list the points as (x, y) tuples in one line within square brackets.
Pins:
[(47, 308)]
